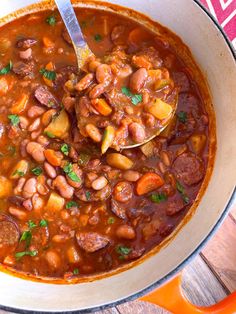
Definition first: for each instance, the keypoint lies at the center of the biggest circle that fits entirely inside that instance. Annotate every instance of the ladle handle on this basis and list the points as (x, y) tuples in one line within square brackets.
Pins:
[(68, 15)]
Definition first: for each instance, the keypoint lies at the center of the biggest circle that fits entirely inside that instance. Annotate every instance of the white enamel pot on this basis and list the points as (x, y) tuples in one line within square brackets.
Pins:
[(216, 59)]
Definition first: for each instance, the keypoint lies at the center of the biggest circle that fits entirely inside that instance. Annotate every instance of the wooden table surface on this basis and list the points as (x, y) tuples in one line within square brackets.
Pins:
[(209, 278)]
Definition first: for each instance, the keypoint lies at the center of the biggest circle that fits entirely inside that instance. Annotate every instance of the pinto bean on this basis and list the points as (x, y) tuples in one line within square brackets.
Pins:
[(27, 204), (165, 158), (149, 120), (37, 202), (24, 123), (26, 54), (51, 172), (84, 82), (35, 111), (131, 175), (92, 66), (73, 255), (19, 186), (97, 91), (29, 188), (44, 141), (82, 107), (125, 232), (63, 187), (53, 259), (137, 80), (123, 192), (35, 125), (137, 132), (36, 151), (104, 74), (93, 132), (23, 147), (18, 213), (99, 183)]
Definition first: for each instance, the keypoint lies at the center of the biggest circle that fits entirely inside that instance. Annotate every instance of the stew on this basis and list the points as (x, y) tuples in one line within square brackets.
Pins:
[(71, 203)]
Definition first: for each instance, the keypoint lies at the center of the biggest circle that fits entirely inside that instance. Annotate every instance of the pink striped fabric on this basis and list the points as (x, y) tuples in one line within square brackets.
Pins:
[(225, 13)]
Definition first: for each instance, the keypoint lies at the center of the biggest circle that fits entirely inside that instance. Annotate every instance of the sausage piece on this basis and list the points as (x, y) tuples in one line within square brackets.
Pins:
[(91, 241), (188, 168), (45, 97), (175, 206), (9, 232), (22, 68), (26, 43), (123, 192), (118, 210)]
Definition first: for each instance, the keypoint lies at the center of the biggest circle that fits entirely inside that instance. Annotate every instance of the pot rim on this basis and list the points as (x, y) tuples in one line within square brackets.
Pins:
[(178, 268)]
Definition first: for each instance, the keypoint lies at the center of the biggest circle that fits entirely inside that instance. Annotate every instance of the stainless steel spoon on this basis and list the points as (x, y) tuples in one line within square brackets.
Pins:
[(82, 49)]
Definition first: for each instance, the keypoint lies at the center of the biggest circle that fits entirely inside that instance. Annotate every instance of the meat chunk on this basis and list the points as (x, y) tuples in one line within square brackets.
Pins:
[(45, 97), (175, 206), (9, 232), (23, 68), (91, 241), (26, 43), (119, 211), (63, 75), (181, 80), (188, 168)]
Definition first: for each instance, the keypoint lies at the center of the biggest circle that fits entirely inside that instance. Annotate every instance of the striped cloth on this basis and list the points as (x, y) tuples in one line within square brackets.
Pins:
[(224, 12)]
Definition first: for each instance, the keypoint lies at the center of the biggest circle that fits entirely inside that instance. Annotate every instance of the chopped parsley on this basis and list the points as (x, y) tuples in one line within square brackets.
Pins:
[(182, 116), (68, 169), (7, 69), (71, 204), (158, 197), (50, 75), (43, 223), (76, 271), (97, 37), (24, 253), (14, 118), (51, 20), (31, 224), (49, 134), (37, 171), (111, 220), (88, 195), (19, 173), (135, 98), (182, 192), (123, 251), (65, 149), (26, 236)]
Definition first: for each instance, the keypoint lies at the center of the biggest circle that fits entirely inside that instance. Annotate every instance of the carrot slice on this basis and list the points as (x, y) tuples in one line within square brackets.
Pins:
[(101, 106), (148, 182), (49, 67), (137, 36), (53, 157), (20, 105)]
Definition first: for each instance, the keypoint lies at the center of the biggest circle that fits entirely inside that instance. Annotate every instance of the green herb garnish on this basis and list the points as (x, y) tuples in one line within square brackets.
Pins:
[(49, 134), (31, 224), (68, 169), (43, 223), (158, 197), (88, 195), (111, 220), (14, 119), (26, 236), (29, 253), (97, 37), (65, 149), (182, 116), (182, 192), (50, 75), (37, 171), (19, 173), (51, 20), (123, 250), (7, 69), (135, 98), (76, 271), (71, 204)]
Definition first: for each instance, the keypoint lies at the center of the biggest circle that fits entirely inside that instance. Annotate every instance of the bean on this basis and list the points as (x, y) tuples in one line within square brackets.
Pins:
[(19, 187), (23, 123), (51, 172), (125, 232), (18, 213), (137, 80), (90, 177), (84, 82), (27, 204), (97, 91), (162, 167), (93, 132), (37, 202), (165, 158), (35, 134), (23, 147), (99, 183), (43, 140), (131, 175), (123, 192), (26, 54), (63, 187), (104, 74), (60, 238), (47, 116), (36, 150), (35, 111), (35, 125), (53, 259), (93, 65), (137, 132), (149, 120), (29, 188)]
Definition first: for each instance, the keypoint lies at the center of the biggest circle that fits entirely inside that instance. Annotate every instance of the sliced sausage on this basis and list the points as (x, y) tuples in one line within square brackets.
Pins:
[(26, 43), (118, 210), (188, 168), (9, 232), (175, 206), (91, 241), (45, 97), (123, 192), (181, 80)]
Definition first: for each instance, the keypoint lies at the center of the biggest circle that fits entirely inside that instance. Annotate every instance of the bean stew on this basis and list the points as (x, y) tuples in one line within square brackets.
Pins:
[(73, 204)]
